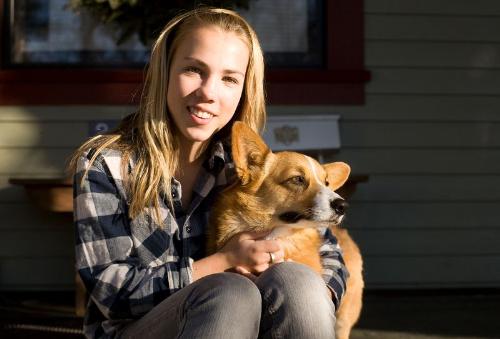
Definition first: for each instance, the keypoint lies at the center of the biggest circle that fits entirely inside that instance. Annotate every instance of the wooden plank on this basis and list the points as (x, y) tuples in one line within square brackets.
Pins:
[(432, 28), (27, 217), (432, 272), (9, 193), (16, 194), (429, 188), (470, 215), (22, 88), (432, 54), (22, 162), (296, 93), (420, 134), (407, 107), (63, 113), (421, 161), (54, 273), (423, 243), (43, 134), (434, 81), (447, 7), (37, 244)]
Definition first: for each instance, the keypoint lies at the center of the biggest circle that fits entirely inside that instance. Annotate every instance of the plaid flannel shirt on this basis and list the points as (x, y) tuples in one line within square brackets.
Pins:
[(128, 265)]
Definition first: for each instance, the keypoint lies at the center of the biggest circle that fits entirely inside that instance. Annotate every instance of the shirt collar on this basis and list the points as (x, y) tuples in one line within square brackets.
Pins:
[(214, 164), (219, 156)]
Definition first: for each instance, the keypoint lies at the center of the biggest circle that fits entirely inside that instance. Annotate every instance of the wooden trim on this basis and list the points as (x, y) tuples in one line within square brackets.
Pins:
[(304, 76), (70, 94), (315, 94), (3, 26), (341, 82), (345, 34), (69, 76), (129, 93)]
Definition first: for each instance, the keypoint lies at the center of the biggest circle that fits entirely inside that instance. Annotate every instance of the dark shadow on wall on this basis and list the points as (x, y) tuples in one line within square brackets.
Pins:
[(448, 313)]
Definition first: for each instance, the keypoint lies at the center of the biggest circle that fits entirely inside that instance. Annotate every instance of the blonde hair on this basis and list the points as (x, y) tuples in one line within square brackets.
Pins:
[(150, 134)]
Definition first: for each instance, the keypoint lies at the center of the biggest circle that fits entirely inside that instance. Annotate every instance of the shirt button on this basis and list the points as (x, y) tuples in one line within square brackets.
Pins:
[(188, 229)]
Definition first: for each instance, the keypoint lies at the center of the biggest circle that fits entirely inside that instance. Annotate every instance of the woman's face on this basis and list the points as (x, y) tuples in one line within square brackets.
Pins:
[(206, 79)]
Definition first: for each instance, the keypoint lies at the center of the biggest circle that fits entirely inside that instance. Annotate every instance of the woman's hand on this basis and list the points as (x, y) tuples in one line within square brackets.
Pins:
[(250, 254)]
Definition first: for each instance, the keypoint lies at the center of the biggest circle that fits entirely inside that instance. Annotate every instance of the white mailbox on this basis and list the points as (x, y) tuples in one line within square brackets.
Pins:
[(302, 133)]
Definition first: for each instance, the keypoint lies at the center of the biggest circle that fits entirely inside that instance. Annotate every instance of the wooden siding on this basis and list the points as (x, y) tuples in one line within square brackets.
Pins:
[(37, 247), (429, 216)]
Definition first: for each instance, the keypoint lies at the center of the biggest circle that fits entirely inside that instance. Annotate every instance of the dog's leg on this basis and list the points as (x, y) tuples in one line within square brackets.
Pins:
[(342, 330)]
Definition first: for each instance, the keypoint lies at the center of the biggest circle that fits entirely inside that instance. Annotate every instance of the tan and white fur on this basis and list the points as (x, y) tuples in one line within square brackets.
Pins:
[(292, 195)]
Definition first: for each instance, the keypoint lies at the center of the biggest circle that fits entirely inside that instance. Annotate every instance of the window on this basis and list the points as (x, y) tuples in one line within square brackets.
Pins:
[(315, 58)]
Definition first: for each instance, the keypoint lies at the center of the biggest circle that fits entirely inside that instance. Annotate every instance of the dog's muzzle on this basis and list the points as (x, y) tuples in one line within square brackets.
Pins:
[(339, 206)]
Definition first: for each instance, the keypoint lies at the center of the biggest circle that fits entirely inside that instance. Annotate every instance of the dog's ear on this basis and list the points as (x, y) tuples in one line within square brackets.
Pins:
[(337, 173), (249, 151)]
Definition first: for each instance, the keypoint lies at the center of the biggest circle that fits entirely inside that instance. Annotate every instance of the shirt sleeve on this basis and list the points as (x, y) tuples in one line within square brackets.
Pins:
[(118, 284), (334, 270)]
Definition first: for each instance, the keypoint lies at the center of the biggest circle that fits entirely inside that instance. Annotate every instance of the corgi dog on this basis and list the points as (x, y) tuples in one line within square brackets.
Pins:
[(292, 195)]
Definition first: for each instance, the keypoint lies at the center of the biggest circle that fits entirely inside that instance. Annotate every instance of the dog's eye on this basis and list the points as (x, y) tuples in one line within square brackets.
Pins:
[(298, 180), (327, 183)]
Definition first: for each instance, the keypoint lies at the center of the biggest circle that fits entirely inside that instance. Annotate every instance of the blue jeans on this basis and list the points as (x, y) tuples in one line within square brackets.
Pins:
[(288, 300)]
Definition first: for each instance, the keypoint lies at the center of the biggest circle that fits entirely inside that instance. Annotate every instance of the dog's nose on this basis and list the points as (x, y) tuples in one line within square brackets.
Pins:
[(339, 206)]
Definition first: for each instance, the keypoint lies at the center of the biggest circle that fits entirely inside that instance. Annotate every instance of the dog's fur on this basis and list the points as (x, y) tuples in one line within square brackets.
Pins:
[(293, 195)]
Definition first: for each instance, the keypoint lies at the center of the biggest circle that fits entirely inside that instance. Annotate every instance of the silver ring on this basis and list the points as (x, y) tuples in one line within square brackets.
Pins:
[(272, 257)]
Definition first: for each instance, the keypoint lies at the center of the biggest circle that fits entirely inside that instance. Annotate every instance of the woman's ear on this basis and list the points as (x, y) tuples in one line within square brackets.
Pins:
[(249, 151), (337, 174)]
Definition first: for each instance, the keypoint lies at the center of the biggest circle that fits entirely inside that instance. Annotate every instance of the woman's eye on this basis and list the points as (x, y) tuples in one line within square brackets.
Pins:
[(192, 69), (298, 180), (230, 80)]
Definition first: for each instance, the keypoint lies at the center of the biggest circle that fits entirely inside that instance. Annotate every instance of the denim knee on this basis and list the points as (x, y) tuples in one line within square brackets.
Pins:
[(296, 303), (291, 278), (228, 291), (223, 305)]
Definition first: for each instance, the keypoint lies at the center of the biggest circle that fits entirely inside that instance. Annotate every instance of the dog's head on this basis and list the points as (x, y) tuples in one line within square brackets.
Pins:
[(298, 190)]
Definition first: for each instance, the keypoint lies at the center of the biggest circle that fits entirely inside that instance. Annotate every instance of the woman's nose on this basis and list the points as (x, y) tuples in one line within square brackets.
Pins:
[(208, 89)]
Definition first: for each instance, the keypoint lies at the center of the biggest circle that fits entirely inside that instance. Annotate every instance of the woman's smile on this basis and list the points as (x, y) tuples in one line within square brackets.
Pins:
[(199, 115)]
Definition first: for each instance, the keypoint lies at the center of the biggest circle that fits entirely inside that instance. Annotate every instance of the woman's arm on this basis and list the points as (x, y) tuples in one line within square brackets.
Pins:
[(246, 252), (119, 284), (215, 263)]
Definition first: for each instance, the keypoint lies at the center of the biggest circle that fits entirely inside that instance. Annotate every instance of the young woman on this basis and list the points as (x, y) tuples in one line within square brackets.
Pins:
[(143, 196)]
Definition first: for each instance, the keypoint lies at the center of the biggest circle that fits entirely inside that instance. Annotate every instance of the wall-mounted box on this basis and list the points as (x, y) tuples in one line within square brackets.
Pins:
[(303, 133)]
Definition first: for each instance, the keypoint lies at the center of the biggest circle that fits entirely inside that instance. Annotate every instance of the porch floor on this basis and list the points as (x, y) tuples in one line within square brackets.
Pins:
[(455, 314)]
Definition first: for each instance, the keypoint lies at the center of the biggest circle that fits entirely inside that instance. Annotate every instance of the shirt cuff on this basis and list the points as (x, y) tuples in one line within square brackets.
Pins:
[(337, 292), (188, 277)]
